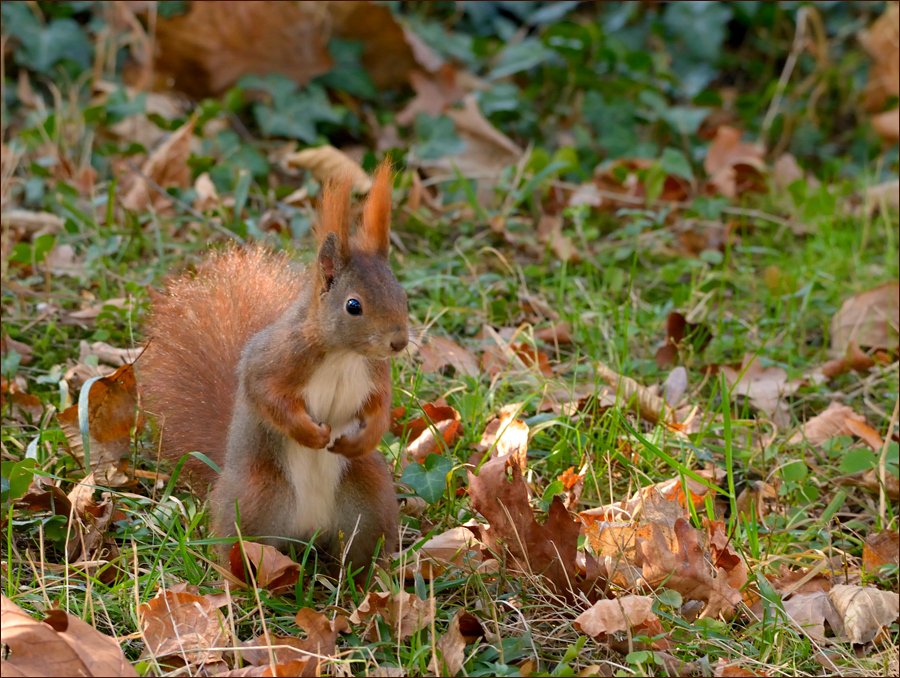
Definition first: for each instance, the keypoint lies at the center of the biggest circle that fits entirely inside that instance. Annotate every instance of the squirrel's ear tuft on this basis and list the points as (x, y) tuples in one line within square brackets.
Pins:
[(334, 214), (376, 225), (330, 260)]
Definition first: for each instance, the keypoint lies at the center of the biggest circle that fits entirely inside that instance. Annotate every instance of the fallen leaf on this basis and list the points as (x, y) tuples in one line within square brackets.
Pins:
[(272, 569), (435, 93), (674, 558), (549, 232), (766, 387), (858, 427), (8, 344), (207, 195), (437, 430), (651, 407), (167, 166), (305, 654), (105, 353), (885, 195), (726, 670), (870, 480), (559, 333), (733, 166), (463, 630), (439, 352), (93, 311), (112, 414), (786, 171), (620, 614), (827, 425), (504, 437), (328, 163), (679, 329), (487, 151), (183, 625), (548, 550), (61, 645), (456, 547), (881, 548), (865, 611), (799, 581), (207, 50), (32, 224), (882, 42), (404, 612), (870, 319)]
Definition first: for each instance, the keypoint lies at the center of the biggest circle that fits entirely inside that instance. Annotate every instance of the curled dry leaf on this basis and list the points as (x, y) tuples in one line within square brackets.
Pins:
[(678, 329), (676, 559), (504, 437), (869, 480), (440, 352), (90, 313), (305, 654), (882, 41), (766, 387), (112, 414), (870, 319), (61, 645), (183, 625), (827, 425), (167, 166), (559, 333), (456, 547), (726, 670), (207, 195), (464, 629), (8, 344), (434, 94), (404, 612), (432, 433), (548, 550), (865, 611), (881, 548), (733, 166), (651, 407), (620, 614), (328, 163), (866, 432), (272, 569), (105, 353)]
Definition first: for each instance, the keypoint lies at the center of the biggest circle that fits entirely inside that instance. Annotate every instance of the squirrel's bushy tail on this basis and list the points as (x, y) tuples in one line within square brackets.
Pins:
[(196, 332)]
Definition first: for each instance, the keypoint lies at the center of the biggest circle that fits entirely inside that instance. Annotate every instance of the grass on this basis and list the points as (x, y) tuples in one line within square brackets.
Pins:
[(772, 294)]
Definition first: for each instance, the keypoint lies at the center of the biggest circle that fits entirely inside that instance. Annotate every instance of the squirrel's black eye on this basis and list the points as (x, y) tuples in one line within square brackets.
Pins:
[(354, 307)]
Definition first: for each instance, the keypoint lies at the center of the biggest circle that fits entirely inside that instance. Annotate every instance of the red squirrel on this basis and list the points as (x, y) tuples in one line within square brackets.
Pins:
[(283, 378)]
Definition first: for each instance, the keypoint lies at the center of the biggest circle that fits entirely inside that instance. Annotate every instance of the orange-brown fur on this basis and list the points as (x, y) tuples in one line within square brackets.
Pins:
[(236, 349)]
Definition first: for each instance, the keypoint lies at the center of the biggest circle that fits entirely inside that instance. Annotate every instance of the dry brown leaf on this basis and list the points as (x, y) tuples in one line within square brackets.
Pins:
[(651, 407), (882, 42), (456, 547), (871, 319), (207, 195), (870, 480), (504, 437), (32, 223), (487, 151), (91, 312), (549, 550), (789, 581), (766, 387), (404, 612), (885, 194), (726, 670), (60, 645), (677, 330), (8, 344), (881, 548), (328, 163), (620, 614), (432, 433), (320, 641), (827, 425), (112, 414), (184, 625), (810, 611), (434, 94), (206, 51), (167, 166), (865, 611), (105, 353), (674, 558), (272, 569), (464, 629), (786, 171), (559, 333), (859, 428), (733, 166), (549, 231), (439, 352)]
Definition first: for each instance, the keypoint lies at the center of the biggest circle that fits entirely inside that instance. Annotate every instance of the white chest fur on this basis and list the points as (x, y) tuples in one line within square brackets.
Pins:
[(334, 394)]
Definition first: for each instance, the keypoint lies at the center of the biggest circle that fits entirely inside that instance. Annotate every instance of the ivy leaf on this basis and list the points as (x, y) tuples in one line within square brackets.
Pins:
[(428, 479)]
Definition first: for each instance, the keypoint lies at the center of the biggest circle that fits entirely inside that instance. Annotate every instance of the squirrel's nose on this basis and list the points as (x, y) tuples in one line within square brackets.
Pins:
[(399, 342)]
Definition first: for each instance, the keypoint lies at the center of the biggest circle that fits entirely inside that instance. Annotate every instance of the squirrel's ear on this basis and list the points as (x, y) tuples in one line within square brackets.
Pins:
[(375, 234), (331, 259)]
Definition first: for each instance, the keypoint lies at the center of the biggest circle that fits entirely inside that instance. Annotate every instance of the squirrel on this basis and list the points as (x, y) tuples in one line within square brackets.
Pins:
[(282, 377)]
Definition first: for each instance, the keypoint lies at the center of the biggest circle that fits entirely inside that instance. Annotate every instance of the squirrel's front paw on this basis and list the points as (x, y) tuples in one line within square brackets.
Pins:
[(315, 437), (352, 445)]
